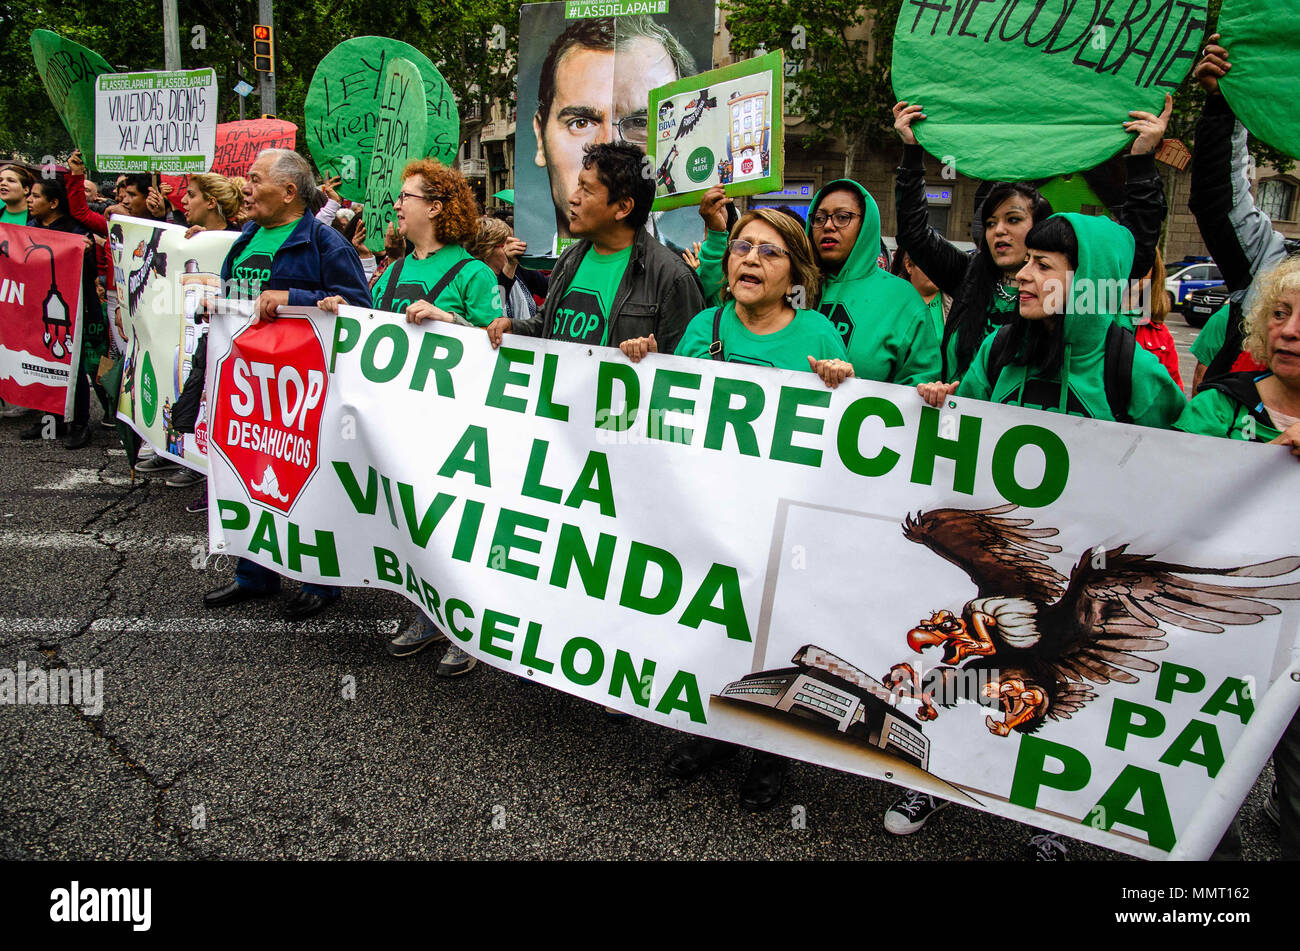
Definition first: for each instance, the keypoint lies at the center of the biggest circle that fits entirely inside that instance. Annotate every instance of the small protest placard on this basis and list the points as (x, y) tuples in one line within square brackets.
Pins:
[(723, 126), (156, 122)]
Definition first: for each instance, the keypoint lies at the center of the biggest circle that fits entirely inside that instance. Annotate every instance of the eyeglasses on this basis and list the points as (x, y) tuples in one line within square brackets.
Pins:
[(634, 129), (741, 248), (402, 196), (842, 219)]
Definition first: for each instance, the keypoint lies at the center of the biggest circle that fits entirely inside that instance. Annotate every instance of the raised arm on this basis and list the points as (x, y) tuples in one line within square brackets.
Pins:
[(1238, 235), (941, 260), (1144, 208)]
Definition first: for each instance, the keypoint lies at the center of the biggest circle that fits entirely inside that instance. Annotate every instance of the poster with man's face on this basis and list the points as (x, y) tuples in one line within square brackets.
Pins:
[(586, 79)]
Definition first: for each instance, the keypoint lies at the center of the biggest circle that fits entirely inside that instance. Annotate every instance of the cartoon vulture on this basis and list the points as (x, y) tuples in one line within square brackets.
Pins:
[(1044, 639), (701, 104), (154, 263)]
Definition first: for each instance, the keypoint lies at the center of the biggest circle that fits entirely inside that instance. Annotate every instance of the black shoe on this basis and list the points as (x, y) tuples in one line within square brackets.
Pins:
[(78, 438), (233, 593), (687, 760), (303, 605), (764, 782), (37, 429)]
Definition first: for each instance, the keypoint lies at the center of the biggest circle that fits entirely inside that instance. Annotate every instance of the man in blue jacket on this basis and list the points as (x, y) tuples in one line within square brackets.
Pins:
[(285, 257)]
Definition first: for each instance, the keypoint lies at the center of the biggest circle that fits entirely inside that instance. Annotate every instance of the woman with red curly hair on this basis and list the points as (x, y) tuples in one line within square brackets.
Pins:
[(439, 279)]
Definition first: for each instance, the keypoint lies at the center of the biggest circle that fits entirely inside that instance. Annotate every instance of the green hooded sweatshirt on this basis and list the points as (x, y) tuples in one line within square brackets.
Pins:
[(883, 321), (1077, 387)]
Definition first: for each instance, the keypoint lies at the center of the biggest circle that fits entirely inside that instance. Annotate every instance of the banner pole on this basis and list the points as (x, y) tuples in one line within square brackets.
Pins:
[(265, 16), (171, 36), (1239, 773)]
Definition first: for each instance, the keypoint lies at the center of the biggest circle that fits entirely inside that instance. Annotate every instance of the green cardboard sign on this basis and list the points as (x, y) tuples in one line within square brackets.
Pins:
[(342, 109), (1017, 90), (719, 127), (399, 136), (1264, 82), (68, 71)]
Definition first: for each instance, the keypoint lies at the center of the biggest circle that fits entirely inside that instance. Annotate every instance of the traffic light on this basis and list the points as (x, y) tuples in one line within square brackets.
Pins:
[(263, 49)]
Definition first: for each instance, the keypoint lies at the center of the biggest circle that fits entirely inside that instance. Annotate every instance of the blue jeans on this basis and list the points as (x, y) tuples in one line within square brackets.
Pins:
[(249, 574)]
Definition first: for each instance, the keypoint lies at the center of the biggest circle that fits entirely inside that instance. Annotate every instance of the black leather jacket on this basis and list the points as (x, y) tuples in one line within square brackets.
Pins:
[(659, 294)]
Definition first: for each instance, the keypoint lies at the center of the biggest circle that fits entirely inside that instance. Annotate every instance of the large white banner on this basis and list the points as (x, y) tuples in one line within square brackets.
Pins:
[(1081, 625)]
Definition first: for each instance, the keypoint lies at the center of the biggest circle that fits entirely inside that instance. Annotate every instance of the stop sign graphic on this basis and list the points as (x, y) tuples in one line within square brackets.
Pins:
[(270, 401)]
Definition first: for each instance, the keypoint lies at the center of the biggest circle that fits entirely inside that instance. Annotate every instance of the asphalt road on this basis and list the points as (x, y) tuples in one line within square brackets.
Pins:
[(226, 735)]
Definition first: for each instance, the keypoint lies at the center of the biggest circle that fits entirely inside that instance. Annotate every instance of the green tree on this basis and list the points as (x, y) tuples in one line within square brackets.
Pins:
[(473, 42), (841, 50)]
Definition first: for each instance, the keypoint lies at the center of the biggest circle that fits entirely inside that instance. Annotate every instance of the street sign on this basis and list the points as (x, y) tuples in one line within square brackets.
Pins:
[(242, 88)]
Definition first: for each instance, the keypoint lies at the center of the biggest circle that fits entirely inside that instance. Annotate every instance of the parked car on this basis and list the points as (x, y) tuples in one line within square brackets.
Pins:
[(1202, 304), (1184, 279)]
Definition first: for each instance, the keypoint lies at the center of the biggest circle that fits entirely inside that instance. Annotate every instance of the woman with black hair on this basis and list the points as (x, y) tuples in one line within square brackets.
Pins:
[(1064, 351), (983, 286)]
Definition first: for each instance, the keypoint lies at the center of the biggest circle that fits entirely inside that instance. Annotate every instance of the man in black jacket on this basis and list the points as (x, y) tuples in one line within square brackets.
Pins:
[(617, 282)]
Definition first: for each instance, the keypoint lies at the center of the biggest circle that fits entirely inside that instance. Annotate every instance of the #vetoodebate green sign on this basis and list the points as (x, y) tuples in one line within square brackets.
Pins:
[(1264, 83), (1014, 89), (342, 109), (68, 71)]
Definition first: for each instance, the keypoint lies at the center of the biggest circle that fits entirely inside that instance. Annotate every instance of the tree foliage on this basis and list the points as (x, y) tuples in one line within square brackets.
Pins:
[(841, 49), (460, 36)]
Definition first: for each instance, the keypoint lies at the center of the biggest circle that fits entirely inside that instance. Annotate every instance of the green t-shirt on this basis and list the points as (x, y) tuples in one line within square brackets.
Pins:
[(809, 334), (583, 313), (935, 309), (253, 266), (1210, 340), (472, 293), (12, 218), (1214, 413)]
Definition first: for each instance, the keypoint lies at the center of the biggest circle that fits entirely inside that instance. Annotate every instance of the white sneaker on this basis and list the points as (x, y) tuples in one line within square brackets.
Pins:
[(1048, 847), (912, 812)]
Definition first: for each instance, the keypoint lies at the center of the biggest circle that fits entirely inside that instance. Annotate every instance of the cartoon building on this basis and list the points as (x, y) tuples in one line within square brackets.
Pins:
[(749, 136), (832, 692)]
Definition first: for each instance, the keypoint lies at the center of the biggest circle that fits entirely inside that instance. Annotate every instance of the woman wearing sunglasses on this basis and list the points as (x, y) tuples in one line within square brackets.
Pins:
[(762, 321), (881, 319), (769, 269)]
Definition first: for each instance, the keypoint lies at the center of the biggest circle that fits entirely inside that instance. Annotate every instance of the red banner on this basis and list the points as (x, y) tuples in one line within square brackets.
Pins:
[(239, 142), (40, 316)]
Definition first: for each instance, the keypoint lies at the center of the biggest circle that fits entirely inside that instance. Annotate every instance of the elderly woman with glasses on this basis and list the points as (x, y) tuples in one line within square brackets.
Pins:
[(764, 321), (766, 317)]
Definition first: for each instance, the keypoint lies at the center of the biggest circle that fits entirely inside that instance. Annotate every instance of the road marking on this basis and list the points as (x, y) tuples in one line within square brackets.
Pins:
[(203, 624), (122, 541), (82, 479)]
